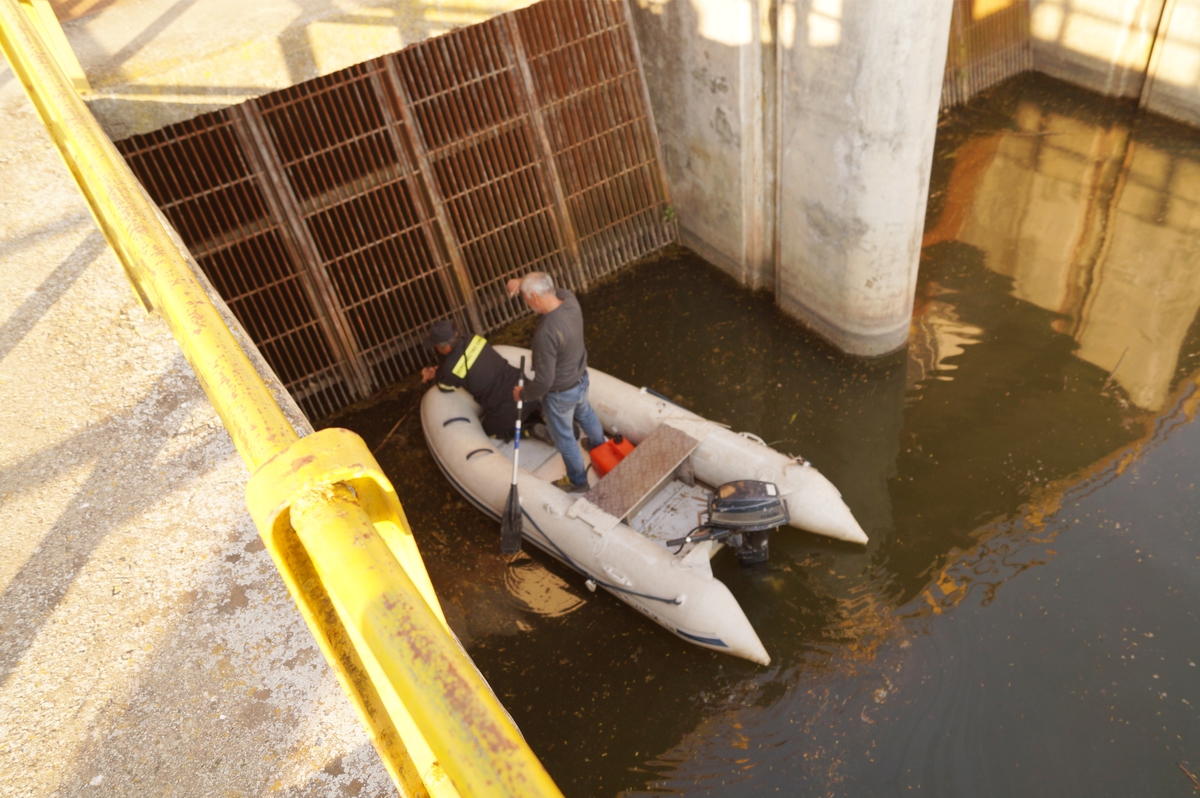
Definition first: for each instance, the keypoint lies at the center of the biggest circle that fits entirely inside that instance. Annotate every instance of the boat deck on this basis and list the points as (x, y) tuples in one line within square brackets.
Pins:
[(671, 513)]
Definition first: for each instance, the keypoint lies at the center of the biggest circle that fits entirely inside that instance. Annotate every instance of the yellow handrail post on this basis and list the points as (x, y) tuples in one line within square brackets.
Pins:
[(329, 517)]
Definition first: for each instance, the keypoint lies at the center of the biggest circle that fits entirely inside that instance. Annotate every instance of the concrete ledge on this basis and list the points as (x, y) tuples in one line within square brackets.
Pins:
[(156, 62), (149, 645)]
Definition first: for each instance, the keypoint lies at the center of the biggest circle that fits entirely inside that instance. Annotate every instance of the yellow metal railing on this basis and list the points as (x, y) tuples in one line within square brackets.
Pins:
[(328, 515)]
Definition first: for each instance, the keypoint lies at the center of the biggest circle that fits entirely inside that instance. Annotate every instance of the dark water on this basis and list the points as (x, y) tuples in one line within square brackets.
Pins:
[(1024, 620)]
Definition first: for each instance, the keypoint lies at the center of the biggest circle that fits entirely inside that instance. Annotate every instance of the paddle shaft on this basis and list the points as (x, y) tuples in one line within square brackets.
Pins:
[(517, 436)]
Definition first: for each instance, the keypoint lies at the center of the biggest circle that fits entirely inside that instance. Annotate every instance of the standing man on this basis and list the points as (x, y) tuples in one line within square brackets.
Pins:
[(477, 367), (561, 378)]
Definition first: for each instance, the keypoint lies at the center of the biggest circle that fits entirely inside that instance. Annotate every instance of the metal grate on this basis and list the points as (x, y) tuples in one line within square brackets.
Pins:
[(589, 89), (341, 154), (203, 175), (341, 216), (985, 50), (475, 131)]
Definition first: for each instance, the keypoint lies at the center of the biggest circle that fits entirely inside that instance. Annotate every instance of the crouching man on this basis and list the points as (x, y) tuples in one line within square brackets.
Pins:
[(477, 367)]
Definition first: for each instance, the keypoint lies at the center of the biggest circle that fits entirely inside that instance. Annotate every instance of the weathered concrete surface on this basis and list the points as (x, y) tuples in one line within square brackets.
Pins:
[(860, 87), (710, 73), (1174, 68), (1102, 46), (147, 645), (1146, 49), (798, 139), (152, 63)]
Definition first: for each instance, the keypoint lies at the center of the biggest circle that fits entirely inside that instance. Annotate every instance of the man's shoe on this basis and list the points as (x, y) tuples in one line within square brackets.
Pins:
[(565, 484), (542, 433)]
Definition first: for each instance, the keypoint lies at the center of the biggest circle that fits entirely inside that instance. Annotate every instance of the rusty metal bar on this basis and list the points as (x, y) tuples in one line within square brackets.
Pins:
[(454, 249), (986, 51), (418, 198), (582, 65), (301, 366), (376, 240), (660, 174), (203, 174), (269, 160), (477, 130), (562, 215)]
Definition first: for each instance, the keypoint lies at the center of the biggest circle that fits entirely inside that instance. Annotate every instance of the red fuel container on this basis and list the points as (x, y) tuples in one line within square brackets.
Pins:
[(606, 456)]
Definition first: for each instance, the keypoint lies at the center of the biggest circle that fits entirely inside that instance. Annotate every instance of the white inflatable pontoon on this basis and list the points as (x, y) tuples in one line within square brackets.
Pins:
[(616, 533)]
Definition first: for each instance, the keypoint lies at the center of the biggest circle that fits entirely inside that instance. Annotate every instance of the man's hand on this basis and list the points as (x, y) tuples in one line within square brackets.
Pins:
[(513, 286), (516, 393), (428, 373)]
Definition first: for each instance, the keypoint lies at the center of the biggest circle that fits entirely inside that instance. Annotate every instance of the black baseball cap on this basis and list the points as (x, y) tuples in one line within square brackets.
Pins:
[(441, 331)]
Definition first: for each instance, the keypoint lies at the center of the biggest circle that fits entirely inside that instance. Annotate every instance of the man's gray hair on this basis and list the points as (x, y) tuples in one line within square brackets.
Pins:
[(537, 283)]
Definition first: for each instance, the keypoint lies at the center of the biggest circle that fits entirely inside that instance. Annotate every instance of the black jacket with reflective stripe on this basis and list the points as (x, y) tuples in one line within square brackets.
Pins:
[(489, 378)]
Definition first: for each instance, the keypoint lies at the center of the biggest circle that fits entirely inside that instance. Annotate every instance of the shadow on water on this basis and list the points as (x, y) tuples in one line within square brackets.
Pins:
[(1019, 622)]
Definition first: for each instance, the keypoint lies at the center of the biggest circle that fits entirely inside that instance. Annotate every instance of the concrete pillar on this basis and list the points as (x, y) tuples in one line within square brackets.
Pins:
[(860, 85), (711, 83), (798, 136)]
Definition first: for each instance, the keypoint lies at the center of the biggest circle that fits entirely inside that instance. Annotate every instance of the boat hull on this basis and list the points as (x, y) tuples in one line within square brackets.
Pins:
[(676, 590)]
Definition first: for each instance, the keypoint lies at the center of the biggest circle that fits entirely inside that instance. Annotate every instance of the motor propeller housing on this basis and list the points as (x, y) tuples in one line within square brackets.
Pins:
[(741, 514), (749, 510)]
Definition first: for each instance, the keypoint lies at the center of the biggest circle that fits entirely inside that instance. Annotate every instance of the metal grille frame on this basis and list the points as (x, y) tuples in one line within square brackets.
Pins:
[(341, 216), (985, 51), (588, 89)]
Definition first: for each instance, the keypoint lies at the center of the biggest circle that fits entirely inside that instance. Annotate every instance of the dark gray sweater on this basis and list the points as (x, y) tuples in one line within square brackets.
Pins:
[(559, 357)]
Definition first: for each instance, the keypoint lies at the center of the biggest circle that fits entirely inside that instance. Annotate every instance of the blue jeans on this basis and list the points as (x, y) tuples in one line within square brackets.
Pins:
[(560, 409)]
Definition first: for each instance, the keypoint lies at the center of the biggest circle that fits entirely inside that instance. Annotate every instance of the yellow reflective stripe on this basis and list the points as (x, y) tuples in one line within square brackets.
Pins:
[(468, 357)]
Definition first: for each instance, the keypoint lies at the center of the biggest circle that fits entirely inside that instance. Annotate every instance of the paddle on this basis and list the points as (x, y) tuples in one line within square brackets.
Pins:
[(510, 521)]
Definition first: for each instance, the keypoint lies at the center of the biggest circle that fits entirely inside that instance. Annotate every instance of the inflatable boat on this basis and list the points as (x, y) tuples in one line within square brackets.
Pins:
[(646, 531)]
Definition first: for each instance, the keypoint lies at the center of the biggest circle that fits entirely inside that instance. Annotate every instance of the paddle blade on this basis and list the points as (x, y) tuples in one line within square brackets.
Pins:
[(510, 524)]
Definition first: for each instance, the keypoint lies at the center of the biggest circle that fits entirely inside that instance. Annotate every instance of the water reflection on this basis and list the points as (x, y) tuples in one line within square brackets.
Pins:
[(1054, 356), (538, 590), (1093, 224)]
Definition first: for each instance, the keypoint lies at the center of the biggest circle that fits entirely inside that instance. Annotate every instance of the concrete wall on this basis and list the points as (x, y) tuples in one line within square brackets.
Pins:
[(156, 62), (1174, 83), (1103, 45), (710, 75), (1148, 49), (798, 136)]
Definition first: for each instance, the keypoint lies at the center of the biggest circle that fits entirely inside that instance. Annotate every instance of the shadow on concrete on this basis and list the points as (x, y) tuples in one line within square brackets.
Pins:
[(148, 35), (233, 679), (124, 486), (47, 232), (52, 288), (319, 40), (67, 10)]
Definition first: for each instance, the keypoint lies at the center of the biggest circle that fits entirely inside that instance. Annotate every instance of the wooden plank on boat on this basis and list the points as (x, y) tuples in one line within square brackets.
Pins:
[(646, 469)]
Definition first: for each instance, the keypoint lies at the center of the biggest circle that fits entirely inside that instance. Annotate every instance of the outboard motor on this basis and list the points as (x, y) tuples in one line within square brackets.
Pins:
[(742, 514)]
